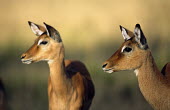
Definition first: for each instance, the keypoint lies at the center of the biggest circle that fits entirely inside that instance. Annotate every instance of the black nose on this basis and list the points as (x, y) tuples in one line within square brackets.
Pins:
[(23, 56), (104, 65)]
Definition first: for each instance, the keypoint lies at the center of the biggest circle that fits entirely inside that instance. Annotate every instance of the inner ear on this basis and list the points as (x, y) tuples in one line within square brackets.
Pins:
[(140, 37), (53, 33), (37, 29), (126, 33)]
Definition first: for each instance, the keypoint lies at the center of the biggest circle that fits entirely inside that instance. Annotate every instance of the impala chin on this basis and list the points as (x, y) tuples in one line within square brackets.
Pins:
[(108, 70), (27, 61)]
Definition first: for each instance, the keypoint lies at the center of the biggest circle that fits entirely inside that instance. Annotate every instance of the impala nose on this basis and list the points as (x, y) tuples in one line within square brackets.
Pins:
[(23, 56), (104, 65)]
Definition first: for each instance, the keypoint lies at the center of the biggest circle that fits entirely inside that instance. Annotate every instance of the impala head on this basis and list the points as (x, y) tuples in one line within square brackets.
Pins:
[(131, 54), (47, 46)]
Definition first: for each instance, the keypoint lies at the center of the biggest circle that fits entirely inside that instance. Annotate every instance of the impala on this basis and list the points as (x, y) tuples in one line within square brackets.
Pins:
[(134, 54), (69, 84)]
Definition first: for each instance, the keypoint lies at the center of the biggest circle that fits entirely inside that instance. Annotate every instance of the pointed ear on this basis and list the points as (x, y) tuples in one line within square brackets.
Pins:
[(126, 33), (53, 33), (37, 29), (140, 37)]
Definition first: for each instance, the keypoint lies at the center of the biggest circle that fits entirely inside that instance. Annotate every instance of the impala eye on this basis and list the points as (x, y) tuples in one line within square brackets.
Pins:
[(127, 49), (43, 43)]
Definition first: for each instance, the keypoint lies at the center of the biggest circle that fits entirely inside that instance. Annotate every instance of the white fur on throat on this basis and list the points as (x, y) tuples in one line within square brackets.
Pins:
[(136, 71)]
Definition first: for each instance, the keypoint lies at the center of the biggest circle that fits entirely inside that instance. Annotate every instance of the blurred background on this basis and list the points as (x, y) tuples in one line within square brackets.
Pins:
[(90, 32)]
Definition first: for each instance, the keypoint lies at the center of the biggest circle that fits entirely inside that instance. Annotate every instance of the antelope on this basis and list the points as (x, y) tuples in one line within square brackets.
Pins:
[(69, 84), (134, 54)]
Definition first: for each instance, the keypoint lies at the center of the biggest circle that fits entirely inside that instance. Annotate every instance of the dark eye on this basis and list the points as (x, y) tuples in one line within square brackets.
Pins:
[(127, 49), (43, 43)]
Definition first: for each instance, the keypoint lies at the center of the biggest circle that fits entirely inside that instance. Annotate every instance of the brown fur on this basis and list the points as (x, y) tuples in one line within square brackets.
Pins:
[(3, 100), (69, 84), (154, 86), (80, 93)]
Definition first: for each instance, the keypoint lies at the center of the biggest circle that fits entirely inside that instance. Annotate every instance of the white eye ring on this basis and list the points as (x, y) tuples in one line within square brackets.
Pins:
[(123, 48), (126, 47), (40, 41)]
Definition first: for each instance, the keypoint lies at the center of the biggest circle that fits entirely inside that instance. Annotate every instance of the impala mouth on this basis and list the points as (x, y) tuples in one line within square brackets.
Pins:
[(108, 70), (27, 61)]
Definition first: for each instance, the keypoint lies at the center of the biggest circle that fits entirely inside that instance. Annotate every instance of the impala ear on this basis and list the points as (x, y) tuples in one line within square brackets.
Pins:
[(37, 29), (140, 37), (53, 33), (126, 33)]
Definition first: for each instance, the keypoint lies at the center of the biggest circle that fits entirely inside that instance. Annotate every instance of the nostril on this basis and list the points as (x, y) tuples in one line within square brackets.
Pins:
[(104, 65), (23, 56)]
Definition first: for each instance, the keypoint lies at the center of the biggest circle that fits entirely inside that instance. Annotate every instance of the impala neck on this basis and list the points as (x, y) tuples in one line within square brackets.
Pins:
[(149, 69), (59, 80), (151, 82)]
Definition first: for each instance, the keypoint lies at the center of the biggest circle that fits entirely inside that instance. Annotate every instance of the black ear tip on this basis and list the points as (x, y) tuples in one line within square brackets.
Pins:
[(44, 23), (120, 27), (29, 22), (137, 25)]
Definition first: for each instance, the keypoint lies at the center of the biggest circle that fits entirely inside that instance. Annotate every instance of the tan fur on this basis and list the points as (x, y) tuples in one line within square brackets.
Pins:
[(154, 86), (69, 84)]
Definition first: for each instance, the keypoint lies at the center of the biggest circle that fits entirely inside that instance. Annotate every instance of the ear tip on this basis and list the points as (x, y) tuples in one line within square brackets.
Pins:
[(29, 22), (45, 24), (120, 27), (137, 25)]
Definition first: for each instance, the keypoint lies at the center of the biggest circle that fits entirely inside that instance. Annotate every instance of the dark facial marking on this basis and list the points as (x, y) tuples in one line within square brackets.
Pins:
[(163, 70)]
